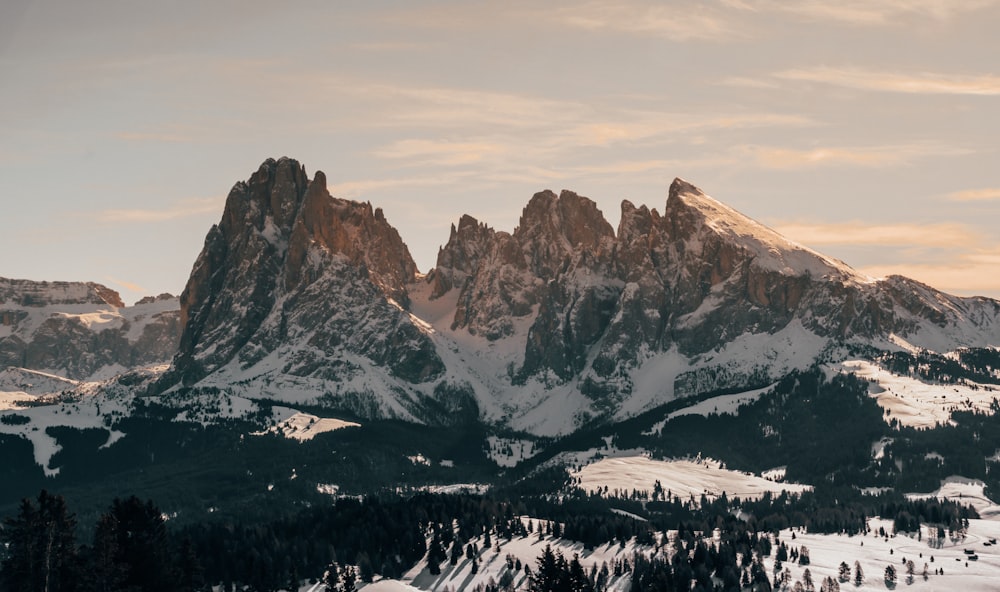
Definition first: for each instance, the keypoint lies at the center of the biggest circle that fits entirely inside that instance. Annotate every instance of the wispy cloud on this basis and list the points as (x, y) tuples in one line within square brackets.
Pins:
[(772, 157), (440, 152), (131, 287), (864, 12), (972, 272), (676, 21), (941, 235), (899, 82), (987, 194), (952, 257), (182, 209)]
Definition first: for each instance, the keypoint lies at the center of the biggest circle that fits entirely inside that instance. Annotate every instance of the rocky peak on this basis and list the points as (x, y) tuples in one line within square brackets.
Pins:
[(467, 245), (151, 299), (552, 229), (288, 266), (37, 294), (351, 230)]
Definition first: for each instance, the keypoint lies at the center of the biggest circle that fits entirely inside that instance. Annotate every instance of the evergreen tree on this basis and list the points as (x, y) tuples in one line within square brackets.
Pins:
[(578, 580), (349, 578), (546, 577), (331, 579), (890, 576), (192, 574), (142, 545), (104, 572), (843, 572), (365, 570), (859, 574), (807, 581), (41, 547)]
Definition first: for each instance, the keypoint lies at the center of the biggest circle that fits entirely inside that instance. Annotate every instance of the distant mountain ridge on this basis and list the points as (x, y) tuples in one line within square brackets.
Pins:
[(83, 330), (303, 297)]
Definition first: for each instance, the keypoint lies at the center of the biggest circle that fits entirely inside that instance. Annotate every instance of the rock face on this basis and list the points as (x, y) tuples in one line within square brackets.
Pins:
[(83, 330), (295, 283)]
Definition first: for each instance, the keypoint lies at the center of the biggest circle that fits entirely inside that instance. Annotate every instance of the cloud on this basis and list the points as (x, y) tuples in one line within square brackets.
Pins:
[(974, 272), (771, 157), (919, 83), (185, 208), (131, 287), (940, 235), (674, 21), (952, 257), (864, 12), (987, 194), (440, 152)]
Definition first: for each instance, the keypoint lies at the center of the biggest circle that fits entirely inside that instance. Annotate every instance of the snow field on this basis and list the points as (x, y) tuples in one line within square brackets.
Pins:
[(304, 426), (493, 563), (682, 477), (920, 404), (874, 553), (964, 491)]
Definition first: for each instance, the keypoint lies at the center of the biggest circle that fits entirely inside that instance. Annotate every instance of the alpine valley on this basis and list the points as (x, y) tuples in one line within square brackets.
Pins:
[(685, 368)]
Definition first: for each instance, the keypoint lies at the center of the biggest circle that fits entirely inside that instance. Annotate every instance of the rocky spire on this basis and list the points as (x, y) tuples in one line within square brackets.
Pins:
[(255, 285)]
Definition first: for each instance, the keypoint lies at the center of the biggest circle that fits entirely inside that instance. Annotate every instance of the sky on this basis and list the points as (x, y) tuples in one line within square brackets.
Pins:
[(864, 129)]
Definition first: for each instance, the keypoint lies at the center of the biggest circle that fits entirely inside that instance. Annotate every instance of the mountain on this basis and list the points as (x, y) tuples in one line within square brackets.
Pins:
[(83, 331), (302, 297)]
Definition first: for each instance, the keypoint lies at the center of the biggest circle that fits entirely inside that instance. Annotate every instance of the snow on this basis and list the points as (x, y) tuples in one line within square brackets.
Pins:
[(419, 459), (95, 321), (22, 382), (520, 450), (83, 413), (683, 477), (721, 405), (878, 447), (915, 403), (826, 552), (964, 491), (493, 563), (327, 488), (304, 426)]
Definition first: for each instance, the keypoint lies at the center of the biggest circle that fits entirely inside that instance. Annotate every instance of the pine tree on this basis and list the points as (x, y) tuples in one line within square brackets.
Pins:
[(192, 574), (104, 571), (578, 580), (843, 572), (41, 547), (859, 574), (331, 579), (890, 576), (349, 578), (545, 577)]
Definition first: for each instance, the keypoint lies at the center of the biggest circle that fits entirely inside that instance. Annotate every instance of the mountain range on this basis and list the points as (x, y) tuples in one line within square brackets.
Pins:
[(307, 299)]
